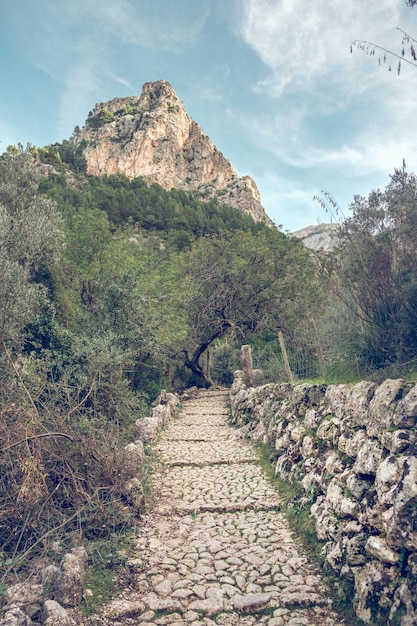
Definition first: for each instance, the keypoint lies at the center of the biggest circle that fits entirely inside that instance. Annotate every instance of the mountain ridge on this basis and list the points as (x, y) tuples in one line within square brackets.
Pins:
[(324, 236)]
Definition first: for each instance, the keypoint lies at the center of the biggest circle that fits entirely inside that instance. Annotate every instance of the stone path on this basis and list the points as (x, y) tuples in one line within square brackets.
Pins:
[(214, 549)]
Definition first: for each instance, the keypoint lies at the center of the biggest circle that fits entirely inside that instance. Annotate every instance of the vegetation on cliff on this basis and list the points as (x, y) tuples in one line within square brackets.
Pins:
[(179, 217)]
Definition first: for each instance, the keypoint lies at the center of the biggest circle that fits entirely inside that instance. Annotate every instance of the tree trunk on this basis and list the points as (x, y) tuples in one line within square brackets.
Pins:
[(193, 363), (197, 370)]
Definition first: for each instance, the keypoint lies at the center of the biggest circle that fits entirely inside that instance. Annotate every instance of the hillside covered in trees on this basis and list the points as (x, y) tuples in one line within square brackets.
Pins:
[(111, 289)]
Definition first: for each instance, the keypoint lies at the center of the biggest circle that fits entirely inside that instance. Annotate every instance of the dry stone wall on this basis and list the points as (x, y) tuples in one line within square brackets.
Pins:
[(351, 449)]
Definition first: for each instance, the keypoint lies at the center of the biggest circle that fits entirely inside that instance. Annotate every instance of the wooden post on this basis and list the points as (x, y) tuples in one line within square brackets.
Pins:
[(319, 350), (208, 364), (246, 358), (290, 375)]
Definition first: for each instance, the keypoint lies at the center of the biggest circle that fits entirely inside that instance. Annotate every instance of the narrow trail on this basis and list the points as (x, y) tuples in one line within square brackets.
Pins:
[(214, 549)]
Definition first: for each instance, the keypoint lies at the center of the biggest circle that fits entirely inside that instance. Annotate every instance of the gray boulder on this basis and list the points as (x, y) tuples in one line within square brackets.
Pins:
[(69, 584)]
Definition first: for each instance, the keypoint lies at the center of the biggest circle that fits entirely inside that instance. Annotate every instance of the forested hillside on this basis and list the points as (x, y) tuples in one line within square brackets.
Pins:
[(111, 289), (175, 215)]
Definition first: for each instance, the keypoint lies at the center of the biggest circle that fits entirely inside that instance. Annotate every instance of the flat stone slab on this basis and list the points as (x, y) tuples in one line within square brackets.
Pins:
[(251, 602)]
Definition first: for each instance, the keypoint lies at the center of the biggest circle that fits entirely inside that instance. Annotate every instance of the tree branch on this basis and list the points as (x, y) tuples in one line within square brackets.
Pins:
[(30, 437), (205, 344), (370, 48)]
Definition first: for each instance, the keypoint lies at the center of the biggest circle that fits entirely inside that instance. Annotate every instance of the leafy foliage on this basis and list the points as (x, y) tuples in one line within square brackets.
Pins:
[(243, 285), (30, 239), (66, 405), (374, 274), (179, 216), (104, 116), (68, 154), (224, 360)]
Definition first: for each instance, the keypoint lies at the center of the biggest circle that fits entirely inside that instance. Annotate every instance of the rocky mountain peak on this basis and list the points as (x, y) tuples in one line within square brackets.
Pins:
[(160, 93), (152, 136)]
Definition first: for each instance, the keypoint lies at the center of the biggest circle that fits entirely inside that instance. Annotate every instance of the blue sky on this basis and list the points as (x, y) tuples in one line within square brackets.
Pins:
[(272, 82)]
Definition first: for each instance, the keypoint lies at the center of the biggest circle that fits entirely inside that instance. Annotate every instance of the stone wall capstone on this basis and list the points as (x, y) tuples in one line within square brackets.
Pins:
[(351, 449)]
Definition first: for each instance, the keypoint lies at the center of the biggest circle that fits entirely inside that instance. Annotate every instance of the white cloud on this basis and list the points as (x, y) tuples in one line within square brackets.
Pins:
[(336, 115), (306, 43), (209, 94), (155, 27), (147, 24), (121, 81), (381, 157)]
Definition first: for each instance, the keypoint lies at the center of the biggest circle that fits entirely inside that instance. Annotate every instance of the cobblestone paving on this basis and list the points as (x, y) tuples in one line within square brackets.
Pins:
[(215, 550)]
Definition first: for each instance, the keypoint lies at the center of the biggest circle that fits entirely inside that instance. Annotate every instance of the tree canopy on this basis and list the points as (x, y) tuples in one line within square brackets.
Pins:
[(240, 285), (30, 240)]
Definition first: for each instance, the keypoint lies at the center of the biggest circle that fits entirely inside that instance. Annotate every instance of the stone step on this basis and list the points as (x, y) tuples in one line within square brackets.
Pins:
[(206, 414), (202, 420), (224, 506), (218, 488), (199, 432), (205, 452)]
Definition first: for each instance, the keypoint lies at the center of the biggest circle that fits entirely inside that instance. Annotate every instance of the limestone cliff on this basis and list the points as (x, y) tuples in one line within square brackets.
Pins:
[(152, 136)]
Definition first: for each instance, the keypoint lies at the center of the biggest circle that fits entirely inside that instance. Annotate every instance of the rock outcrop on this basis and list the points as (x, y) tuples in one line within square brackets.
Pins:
[(351, 452), (319, 237), (162, 413), (153, 137)]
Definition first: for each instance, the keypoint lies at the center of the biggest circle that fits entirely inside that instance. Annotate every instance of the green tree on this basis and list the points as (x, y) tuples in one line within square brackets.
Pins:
[(89, 247), (30, 239), (241, 285), (100, 119), (375, 272), (123, 298), (72, 153)]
